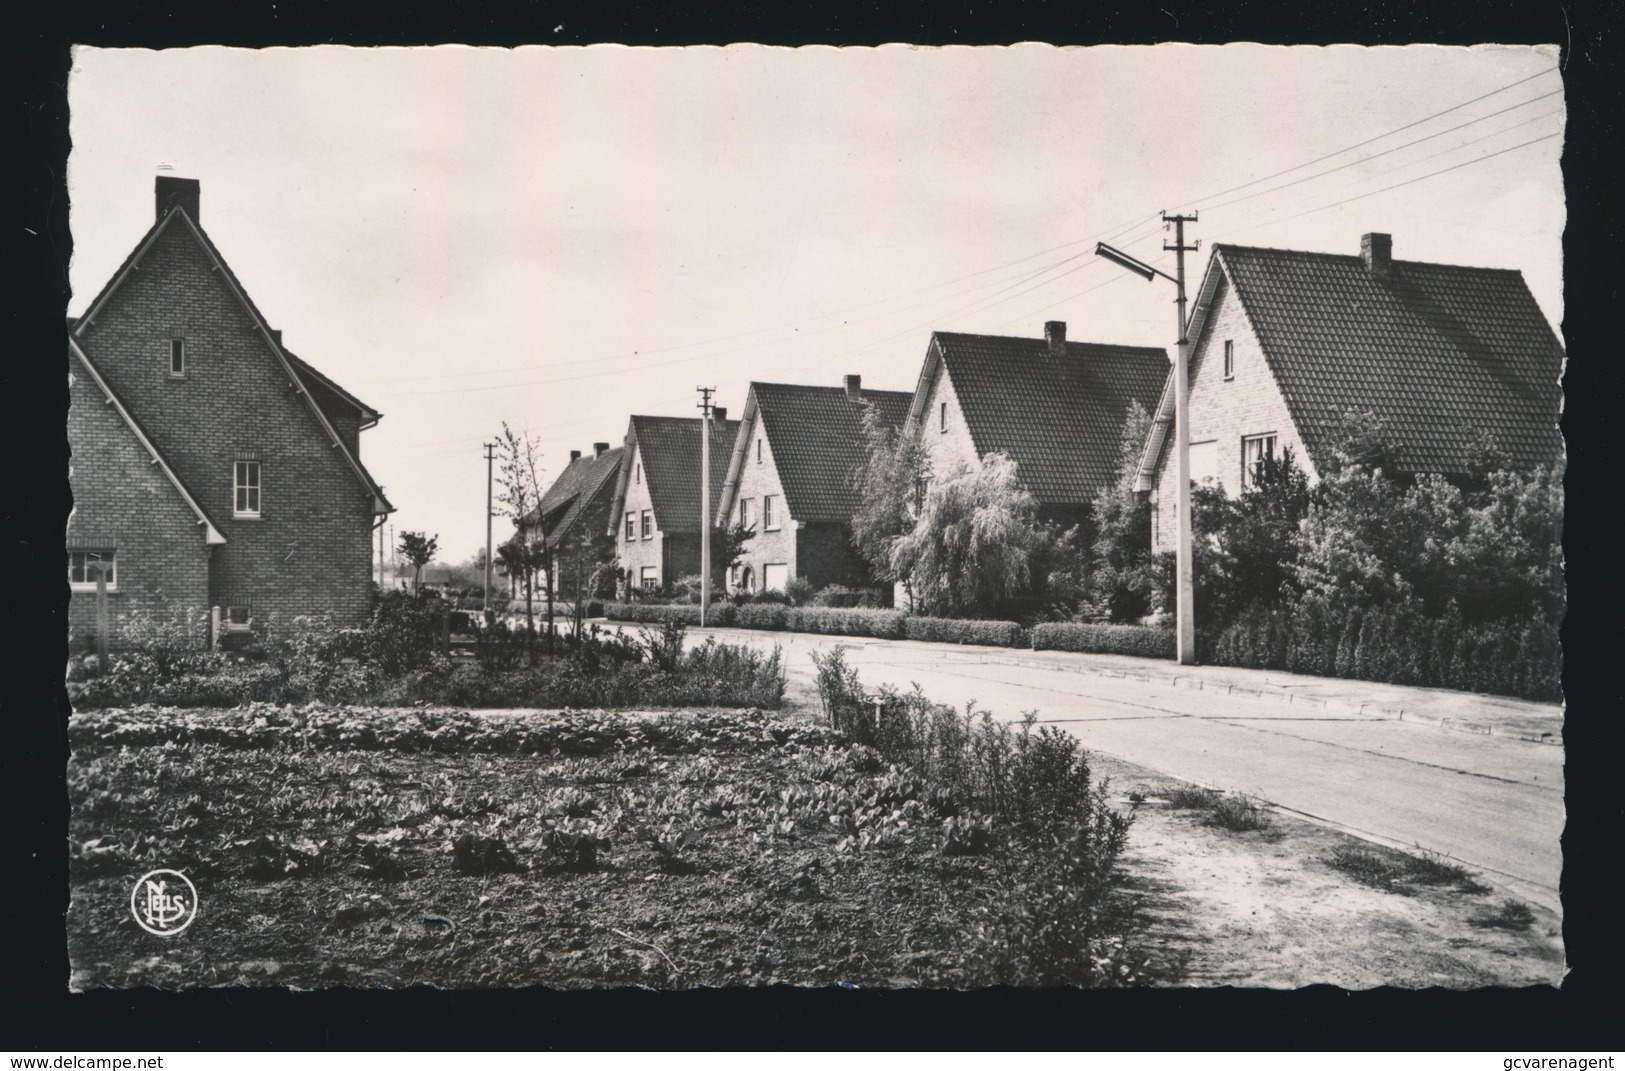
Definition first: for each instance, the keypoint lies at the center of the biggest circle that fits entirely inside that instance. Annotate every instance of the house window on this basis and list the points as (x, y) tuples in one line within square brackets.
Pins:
[(744, 513), (1254, 449), (770, 523), (758, 449), (83, 565), (648, 524), (637, 472), (942, 416), (1229, 359), (649, 578), (747, 579), (631, 525), (177, 357), (246, 481), (239, 617)]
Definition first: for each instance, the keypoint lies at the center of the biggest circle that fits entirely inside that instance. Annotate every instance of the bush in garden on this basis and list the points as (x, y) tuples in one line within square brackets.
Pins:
[(1142, 640), (799, 591), (841, 596), (887, 624), (950, 630), (763, 615)]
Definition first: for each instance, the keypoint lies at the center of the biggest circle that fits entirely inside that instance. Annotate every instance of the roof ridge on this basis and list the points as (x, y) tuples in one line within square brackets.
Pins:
[(1355, 256)]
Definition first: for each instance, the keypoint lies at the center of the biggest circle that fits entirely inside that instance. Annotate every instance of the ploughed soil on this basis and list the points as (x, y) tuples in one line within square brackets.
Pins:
[(1272, 907), (369, 847)]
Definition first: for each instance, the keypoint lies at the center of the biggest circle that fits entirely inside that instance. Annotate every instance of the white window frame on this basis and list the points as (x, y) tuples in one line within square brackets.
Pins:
[(770, 523), (177, 348), (942, 416), (744, 513), (648, 578), (247, 495), (631, 525), (1269, 440), (637, 473), (108, 555), (758, 449), (1229, 359), (647, 524)]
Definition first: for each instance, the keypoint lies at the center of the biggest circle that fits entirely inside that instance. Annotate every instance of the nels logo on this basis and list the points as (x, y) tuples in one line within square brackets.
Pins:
[(164, 902)]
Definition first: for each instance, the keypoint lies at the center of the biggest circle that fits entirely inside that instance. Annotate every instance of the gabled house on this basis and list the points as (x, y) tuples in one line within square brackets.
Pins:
[(1054, 407), (578, 504), (1285, 343), (212, 468), (655, 514), (790, 481)]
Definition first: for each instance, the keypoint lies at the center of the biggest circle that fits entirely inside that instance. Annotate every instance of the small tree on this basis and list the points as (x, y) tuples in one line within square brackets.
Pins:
[(973, 543), (891, 484), (1123, 576), (418, 550), (521, 498), (728, 546)]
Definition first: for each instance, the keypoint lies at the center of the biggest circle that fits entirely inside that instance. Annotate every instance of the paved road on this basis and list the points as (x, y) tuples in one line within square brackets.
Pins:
[(1341, 752)]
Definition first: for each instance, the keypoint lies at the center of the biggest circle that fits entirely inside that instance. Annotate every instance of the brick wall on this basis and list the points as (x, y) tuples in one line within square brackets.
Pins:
[(125, 503), (310, 550), (954, 444), (635, 553), (825, 556), (758, 479), (1222, 410)]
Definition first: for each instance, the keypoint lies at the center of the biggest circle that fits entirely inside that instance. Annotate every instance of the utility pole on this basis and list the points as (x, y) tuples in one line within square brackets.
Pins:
[(490, 458), (394, 559), (1184, 598), (381, 588), (705, 501)]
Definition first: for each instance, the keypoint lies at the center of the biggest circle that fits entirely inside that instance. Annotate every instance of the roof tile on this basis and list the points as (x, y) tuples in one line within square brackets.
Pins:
[(816, 435)]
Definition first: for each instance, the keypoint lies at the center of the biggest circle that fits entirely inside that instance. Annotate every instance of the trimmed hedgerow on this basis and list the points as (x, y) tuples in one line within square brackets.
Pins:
[(951, 630), (1142, 640), (834, 621), (721, 614), (760, 615)]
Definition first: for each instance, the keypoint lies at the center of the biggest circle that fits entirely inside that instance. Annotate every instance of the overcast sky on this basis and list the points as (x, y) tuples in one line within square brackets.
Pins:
[(561, 237)]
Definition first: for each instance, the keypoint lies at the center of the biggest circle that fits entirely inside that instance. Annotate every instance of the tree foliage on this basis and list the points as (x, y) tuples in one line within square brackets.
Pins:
[(418, 550), (891, 484)]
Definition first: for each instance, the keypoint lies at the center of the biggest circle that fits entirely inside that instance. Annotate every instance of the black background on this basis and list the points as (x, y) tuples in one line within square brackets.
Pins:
[(43, 1016)]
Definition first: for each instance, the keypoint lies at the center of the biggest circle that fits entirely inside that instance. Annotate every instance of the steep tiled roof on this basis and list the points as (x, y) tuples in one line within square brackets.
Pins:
[(1059, 418), (670, 447), (1439, 352), (816, 438), (575, 489)]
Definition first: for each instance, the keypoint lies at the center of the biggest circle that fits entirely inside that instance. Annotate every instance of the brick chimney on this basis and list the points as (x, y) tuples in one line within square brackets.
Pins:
[(719, 413), (185, 192), (276, 333), (854, 388), (599, 448), (1377, 253), (1055, 335), (575, 455)]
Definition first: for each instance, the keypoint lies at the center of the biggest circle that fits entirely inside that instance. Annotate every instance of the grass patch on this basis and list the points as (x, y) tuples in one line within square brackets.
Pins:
[(1401, 872), (1510, 915), (1230, 811)]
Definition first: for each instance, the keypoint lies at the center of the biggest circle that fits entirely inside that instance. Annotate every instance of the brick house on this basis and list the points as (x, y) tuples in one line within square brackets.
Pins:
[(1284, 343), (578, 503), (1054, 407), (790, 480), (211, 467), (655, 513)]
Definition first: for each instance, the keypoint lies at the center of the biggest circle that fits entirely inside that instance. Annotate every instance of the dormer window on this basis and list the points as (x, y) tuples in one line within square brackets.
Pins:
[(177, 357)]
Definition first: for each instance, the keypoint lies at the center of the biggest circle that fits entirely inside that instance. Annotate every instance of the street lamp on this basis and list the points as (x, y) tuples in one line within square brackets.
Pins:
[(1184, 596)]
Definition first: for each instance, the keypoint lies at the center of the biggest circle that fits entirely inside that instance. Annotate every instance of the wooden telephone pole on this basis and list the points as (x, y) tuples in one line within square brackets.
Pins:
[(705, 501)]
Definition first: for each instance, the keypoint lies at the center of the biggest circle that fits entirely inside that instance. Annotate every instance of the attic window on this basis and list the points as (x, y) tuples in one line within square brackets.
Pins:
[(177, 357), (758, 449), (246, 487), (1229, 359), (637, 472), (942, 416)]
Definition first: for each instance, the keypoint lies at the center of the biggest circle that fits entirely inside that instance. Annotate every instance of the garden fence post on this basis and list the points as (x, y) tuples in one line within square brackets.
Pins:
[(214, 627)]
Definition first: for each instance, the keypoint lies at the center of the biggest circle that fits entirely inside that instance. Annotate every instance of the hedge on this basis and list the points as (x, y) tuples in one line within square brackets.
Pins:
[(760, 615), (658, 613), (949, 630), (885, 624), (1142, 640)]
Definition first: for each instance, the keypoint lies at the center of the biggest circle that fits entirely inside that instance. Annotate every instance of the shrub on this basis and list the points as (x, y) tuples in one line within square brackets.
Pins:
[(950, 630), (760, 615), (887, 624), (1141, 640), (721, 614), (799, 591), (840, 596)]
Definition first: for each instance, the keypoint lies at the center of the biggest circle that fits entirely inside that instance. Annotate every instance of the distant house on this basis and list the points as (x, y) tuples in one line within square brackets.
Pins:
[(579, 502), (790, 480), (1054, 407), (655, 513), (1284, 343), (211, 467)]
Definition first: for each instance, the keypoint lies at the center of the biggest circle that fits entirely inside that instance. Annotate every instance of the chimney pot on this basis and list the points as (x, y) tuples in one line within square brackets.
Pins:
[(599, 448), (1377, 253), (1055, 335), (719, 413), (854, 388), (575, 455), (169, 190), (276, 333)]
